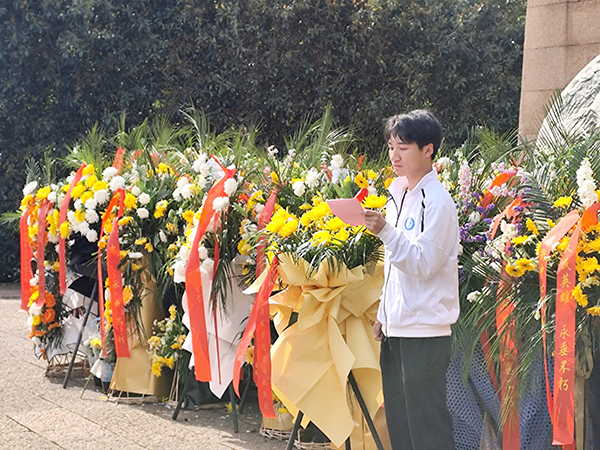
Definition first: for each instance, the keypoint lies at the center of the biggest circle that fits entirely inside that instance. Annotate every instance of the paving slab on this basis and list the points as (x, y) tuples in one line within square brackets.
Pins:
[(37, 413)]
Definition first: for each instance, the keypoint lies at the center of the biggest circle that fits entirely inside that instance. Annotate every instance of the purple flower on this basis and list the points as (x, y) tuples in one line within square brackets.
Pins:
[(490, 206), (487, 220), (481, 210)]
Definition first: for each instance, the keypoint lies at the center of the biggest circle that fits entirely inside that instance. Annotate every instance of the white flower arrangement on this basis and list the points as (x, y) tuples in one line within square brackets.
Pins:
[(299, 188), (143, 213), (144, 198), (116, 182), (109, 173), (586, 184), (30, 188)]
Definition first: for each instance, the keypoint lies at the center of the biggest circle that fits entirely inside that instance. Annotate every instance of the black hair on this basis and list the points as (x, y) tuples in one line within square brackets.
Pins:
[(419, 126)]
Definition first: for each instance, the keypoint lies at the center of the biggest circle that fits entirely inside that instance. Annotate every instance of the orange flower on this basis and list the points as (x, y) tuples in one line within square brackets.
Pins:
[(48, 315)]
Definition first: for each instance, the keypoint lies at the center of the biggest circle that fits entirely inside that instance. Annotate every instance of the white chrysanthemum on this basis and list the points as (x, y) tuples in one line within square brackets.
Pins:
[(202, 252), (179, 272), (35, 310), (230, 186), (135, 255), (91, 216), (84, 227), (91, 235), (299, 188), (337, 161), (187, 191), (201, 182), (473, 296), (184, 253), (101, 196), (78, 204), (53, 238), (34, 280), (30, 188), (162, 236), (259, 207), (144, 199), (52, 197), (117, 182), (474, 217), (177, 195), (109, 173), (143, 213), (91, 203), (136, 191), (372, 190), (199, 163), (220, 204), (586, 184), (71, 217), (312, 178), (182, 182)]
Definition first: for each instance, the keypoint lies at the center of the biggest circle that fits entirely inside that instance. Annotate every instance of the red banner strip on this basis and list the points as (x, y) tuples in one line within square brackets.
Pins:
[(26, 256), (118, 161), (263, 219), (193, 284), (64, 208), (113, 258), (564, 347), (552, 238), (41, 245), (259, 326), (118, 198)]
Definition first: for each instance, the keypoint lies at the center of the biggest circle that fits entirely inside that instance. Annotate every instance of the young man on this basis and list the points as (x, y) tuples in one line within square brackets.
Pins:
[(420, 294)]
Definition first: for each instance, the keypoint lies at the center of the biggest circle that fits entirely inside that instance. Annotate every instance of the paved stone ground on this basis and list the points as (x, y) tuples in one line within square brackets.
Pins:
[(37, 413)]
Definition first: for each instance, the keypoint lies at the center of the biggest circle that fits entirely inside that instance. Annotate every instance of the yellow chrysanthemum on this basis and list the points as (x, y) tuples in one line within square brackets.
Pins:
[(65, 230), (99, 185), (274, 178), (80, 215), (387, 182), (155, 342), (130, 201), (164, 169), (371, 174), (56, 266), (320, 237), (78, 190), (307, 218), (550, 223), (171, 227), (244, 248), (374, 201), (563, 202), (96, 343), (125, 220), (161, 206), (88, 170), (156, 369), (43, 193), (289, 228), (519, 240), (123, 254), (342, 235), (149, 247), (335, 224), (90, 181), (136, 267), (580, 297), (525, 264), (86, 196), (127, 294), (172, 312), (530, 224), (514, 271), (27, 200), (188, 216), (361, 181), (594, 311), (140, 241)]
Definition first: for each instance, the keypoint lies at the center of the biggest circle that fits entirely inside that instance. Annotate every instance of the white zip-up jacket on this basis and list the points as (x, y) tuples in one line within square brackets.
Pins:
[(421, 239)]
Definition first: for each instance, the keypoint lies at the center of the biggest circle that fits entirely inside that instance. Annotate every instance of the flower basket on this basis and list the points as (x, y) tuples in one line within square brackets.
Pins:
[(280, 427)]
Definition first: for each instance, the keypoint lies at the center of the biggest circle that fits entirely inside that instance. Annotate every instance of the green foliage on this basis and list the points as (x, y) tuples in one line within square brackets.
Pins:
[(68, 65)]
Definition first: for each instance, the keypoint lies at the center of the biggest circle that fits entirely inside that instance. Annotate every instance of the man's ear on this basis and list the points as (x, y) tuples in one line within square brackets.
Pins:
[(428, 150)]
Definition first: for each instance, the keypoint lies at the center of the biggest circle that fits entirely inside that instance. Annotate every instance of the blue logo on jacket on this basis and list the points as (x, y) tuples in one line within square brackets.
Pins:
[(409, 223)]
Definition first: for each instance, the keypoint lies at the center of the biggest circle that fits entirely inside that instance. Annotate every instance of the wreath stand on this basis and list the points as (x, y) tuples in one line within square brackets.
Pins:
[(365, 412)]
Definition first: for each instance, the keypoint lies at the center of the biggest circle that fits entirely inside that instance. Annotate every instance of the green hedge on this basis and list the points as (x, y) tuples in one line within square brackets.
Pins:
[(65, 65)]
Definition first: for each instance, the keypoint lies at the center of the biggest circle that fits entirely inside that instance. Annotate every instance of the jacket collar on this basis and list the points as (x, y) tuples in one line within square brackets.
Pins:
[(400, 184)]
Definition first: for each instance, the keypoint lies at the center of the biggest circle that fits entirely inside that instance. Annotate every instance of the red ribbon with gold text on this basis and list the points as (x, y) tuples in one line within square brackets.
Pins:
[(41, 245), (193, 284), (117, 199), (64, 208), (258, 326), (26, 256), (552, 238)]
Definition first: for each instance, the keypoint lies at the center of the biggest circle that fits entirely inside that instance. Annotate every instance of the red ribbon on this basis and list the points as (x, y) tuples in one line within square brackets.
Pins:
[(117, 198), (362, 194), (263, 219), (259, 326), (41, 245), (118, 161), (113, 258), (193, 284), (26, 256), (64, 208)]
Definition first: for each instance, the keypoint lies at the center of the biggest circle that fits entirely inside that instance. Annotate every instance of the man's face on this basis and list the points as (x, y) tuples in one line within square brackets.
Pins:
[(407, 159)]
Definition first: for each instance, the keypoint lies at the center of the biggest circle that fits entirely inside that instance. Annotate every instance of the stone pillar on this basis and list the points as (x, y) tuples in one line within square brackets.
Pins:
[(561, 37)]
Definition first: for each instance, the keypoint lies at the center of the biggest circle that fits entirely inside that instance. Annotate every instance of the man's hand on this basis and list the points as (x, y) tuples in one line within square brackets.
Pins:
[(374, 221), (377, 333)]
